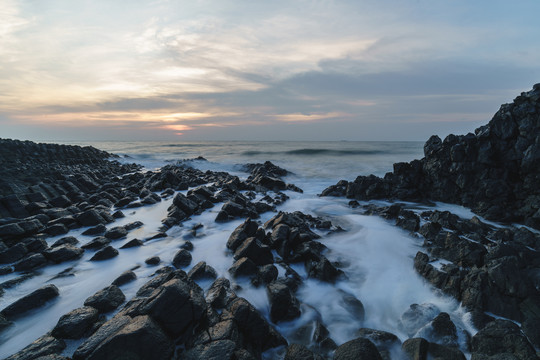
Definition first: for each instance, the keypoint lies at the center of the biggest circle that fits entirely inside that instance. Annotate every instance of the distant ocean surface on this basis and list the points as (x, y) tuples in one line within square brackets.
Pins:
[(315, 165)]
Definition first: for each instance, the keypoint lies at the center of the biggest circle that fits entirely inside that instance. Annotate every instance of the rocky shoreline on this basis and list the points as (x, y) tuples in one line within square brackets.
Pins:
[(49, 190)]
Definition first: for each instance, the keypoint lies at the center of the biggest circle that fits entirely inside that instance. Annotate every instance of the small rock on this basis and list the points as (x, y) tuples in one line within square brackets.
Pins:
[(154, 260), (202, 271), (182, 259), (132, 243), (104, 254), (124, 278)]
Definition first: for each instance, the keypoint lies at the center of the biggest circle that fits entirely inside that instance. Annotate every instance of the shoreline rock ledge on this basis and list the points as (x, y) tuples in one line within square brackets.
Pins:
[(494, 171)]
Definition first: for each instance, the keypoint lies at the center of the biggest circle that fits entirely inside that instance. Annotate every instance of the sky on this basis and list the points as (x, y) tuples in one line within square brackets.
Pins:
[(261, 70)]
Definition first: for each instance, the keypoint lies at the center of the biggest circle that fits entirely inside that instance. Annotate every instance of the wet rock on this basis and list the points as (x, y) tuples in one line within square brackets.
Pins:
[(132, 243), (322, 270), (247, 229), (124, 278), (139, 338), (267, 274), (255, 329), (116, 232), (219, 349), (219, 293), (31, 262), (96, 230), (501, 337), (416, 317), (106, 253), (56, 229), (283, 304), (106, 299), (243, 267), (36, 245), (184, 204), (154, 260), (177, 306), (300, 352), (444, 330), (353, 306), (416, 348), (90, 218), (384, 341), (76, 323), (68, 240), (96, 243), (182, 259), (357, 349), (35, 299), (14, 253), (254, 250), (44, 346), (63, 253), (202, 271)]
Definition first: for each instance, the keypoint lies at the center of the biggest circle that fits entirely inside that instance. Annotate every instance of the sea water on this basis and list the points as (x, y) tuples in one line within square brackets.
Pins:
[(376, 256)]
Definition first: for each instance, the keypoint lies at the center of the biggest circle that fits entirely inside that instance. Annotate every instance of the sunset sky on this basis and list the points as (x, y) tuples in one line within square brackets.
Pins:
[(261, 70)]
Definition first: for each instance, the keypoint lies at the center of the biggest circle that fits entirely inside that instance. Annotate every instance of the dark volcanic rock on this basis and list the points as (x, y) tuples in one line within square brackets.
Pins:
[(75, 323), (97, 243), (139, 338), (255, 329), (33, 261), (63, 253), (182, 259), (106, 299), (132, 243), (300, 352), (107, 252), (31, 301), (177, 306), (357, 349), (501, 337), (283, 304), (44, 346), (218, 349), (202, 271), (124, 278)]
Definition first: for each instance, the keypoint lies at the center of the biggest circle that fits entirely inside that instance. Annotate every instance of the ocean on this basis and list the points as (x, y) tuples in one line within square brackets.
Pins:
[(376, 256)]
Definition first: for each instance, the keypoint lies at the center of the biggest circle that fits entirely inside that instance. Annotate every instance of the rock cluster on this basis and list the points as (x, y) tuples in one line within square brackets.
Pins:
[(493, 171)]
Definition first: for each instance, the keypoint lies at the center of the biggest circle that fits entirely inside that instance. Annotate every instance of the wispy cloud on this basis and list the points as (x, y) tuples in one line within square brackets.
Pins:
[(189, 67)]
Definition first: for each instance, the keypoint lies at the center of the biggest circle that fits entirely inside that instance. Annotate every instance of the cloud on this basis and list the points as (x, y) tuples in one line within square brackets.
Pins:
[(344, 69)]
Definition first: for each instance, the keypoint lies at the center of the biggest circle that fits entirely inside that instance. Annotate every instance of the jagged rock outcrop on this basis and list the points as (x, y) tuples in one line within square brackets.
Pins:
[(493, 171)]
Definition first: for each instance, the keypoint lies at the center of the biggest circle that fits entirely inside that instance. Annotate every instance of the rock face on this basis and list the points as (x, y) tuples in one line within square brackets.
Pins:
[(493, 171)]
